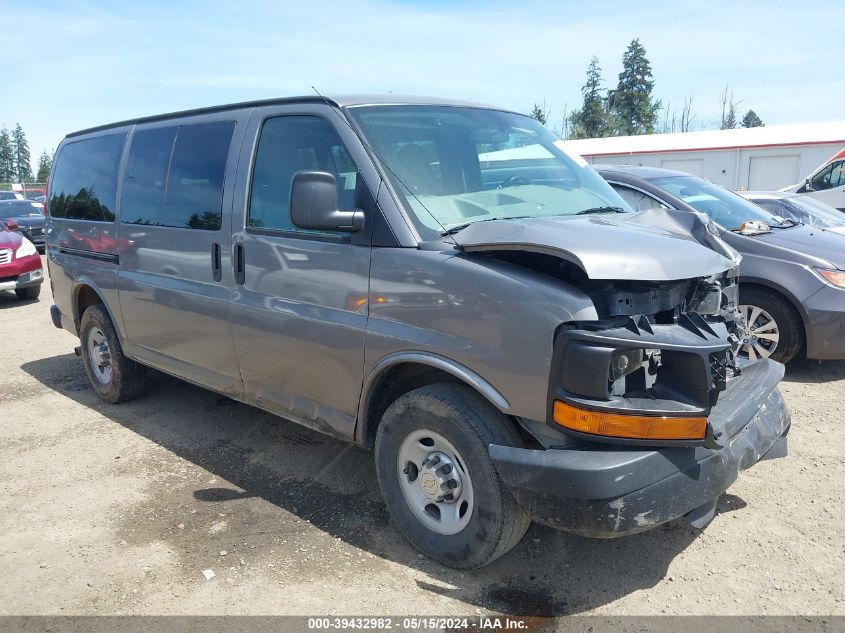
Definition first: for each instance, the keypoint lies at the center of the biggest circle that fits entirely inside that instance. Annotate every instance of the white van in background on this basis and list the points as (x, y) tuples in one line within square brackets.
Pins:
[(827, 183), (745, 159)]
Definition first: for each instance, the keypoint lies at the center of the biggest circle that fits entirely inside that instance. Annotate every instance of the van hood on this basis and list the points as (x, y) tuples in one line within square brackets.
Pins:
[(617, 247), (819, 243)]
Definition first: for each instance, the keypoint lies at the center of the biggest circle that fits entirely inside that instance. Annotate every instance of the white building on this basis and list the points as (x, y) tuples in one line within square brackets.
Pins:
[(762, 158)]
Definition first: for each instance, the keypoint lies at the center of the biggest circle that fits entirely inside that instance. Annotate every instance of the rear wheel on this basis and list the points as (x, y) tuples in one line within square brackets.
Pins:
[(28, 294), (440, 486), (772, 328), (113, 376)]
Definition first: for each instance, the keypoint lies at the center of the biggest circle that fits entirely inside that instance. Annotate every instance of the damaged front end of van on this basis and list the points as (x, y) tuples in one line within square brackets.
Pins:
[(649, 416)]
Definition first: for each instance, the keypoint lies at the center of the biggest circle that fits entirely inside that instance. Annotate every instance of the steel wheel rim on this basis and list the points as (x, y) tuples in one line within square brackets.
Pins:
[(99, 356), (444, 517), (761, 335)]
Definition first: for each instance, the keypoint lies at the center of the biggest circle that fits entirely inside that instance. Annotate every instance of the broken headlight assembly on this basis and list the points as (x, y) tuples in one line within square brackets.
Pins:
[(634, 380), (624, 362)]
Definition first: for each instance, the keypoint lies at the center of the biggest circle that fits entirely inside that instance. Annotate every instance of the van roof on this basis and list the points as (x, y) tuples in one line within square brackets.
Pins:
[(340, 101)]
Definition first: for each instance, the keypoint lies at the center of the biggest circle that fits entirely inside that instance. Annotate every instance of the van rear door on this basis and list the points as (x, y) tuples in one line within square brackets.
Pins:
[(175, 279)]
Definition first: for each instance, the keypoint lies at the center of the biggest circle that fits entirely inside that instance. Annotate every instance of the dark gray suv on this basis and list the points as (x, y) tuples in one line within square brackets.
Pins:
[(439, 281), (792, 290)]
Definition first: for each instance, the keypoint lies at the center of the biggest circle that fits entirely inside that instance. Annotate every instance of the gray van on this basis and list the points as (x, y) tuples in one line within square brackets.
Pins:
[(439, 281)]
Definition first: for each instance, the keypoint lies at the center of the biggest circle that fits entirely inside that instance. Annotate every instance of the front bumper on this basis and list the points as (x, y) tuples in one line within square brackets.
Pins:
[(826, 324), (607, 491), (24, 280)]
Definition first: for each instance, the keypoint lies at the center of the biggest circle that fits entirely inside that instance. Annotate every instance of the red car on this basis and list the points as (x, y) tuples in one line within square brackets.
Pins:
[(20, 264)]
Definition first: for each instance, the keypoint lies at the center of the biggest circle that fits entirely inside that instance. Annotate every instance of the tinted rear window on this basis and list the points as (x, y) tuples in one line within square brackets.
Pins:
[(84, 181), (174, 176), (146, 175)]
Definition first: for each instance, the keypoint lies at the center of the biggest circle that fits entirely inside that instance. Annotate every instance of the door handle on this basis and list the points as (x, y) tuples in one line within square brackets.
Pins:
[(240, 264), (216, 266)]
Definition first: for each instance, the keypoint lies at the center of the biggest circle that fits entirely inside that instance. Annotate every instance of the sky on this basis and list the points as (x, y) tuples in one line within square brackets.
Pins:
[(72, 65)]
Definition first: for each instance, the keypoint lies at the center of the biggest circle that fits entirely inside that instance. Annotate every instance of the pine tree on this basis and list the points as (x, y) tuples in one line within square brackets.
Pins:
[(631, 105), (540, 113), (729, 109), (752, 120), (45, 162), (591, 121), (20, 148), (7, 157)]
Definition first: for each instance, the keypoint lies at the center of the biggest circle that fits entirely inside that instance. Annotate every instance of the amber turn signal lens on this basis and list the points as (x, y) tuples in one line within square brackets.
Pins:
[(835, 277), (641, 427)]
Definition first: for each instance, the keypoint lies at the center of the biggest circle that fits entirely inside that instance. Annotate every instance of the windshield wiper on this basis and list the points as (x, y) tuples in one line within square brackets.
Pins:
[(785, 220), (601, 210), (461, 227)]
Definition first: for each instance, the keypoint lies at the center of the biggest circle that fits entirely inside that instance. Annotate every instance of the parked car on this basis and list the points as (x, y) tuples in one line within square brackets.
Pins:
[(20, 263), (11, 195), (29, 216), (400, 273), (799, 208), (792, 278), (826, 184), (33, 194)]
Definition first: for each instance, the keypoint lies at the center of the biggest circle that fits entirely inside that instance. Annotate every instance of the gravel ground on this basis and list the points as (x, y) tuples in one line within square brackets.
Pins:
[(118, 509)]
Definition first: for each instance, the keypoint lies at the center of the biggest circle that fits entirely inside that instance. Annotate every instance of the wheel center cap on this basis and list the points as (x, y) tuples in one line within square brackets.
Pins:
[(429, 484), (439, 478), (101, 355)]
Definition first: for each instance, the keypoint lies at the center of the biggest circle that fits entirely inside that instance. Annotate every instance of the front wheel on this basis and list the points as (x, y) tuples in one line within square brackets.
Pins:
[(772, 328), (441, 488)]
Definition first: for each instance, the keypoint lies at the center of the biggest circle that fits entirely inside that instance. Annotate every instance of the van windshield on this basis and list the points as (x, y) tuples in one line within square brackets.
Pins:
[(458, 165), (724, 207)]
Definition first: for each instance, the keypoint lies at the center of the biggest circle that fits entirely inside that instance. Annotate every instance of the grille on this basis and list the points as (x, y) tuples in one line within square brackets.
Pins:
[(719, 370), (5, 256), (36, 230)]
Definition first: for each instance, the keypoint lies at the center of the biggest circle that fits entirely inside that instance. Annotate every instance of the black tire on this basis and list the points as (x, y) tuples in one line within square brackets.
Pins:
[(470, 424), (788, 322), (128, 379), (28, 294)]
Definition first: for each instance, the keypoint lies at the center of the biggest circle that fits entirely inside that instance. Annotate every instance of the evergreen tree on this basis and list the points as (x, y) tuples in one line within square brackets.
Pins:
[(7, 157), (752, 120), (631, 105), (729, 107), (45, 162), (591, 121), (540, 113), (729, 120), (22, 158)]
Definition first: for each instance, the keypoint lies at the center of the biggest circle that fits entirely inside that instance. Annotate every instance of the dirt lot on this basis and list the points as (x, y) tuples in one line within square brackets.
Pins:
[(118, 510)]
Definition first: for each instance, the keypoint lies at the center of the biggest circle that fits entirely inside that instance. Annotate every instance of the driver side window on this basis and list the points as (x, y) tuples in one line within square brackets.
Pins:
[(289, 144), (837, 178), (830, 177)]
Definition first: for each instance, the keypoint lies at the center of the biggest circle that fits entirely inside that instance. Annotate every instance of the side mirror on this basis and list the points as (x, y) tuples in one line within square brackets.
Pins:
[(313, 204), (12, 225), (806, 187)]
